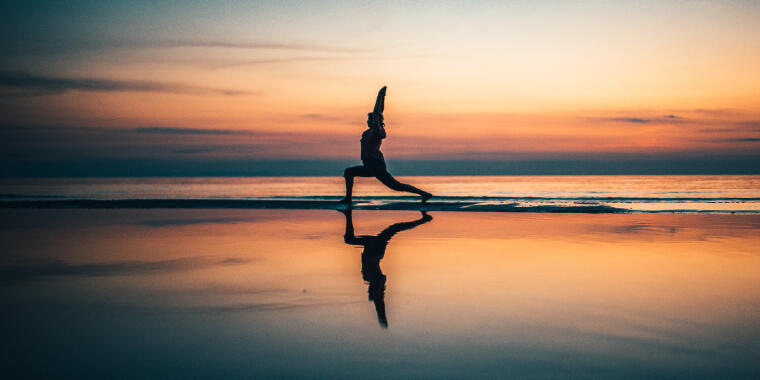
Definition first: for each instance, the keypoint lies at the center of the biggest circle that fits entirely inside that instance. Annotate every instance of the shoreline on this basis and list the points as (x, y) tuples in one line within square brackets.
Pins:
[(459, 206), (304, 205)]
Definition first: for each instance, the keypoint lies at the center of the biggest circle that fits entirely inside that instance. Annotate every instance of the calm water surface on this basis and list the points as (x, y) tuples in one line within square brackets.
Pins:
[(638, 193), (283, 293)]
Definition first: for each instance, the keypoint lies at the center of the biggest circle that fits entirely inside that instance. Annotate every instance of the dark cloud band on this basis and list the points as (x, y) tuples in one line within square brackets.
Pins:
[(188, 131), (35, 85)]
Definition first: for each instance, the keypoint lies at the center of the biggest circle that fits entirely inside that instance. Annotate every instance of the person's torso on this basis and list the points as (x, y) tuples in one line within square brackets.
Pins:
[(371, 141)]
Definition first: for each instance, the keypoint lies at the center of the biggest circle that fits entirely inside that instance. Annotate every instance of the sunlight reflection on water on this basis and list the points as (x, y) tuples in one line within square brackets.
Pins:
[(261, 293)]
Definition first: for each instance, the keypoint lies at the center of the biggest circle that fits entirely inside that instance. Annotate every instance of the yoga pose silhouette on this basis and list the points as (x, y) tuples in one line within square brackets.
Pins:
[(374, 250), (372, 158)]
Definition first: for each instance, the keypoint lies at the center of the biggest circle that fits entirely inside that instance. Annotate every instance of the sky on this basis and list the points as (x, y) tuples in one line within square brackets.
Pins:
[(234, 87)]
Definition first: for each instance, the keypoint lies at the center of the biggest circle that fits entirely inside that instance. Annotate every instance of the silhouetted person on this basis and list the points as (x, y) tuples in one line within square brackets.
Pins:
[(374, 250), (372, 158)]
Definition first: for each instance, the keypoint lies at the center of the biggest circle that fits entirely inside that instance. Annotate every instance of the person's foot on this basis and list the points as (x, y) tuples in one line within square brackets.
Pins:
[(426, 196)]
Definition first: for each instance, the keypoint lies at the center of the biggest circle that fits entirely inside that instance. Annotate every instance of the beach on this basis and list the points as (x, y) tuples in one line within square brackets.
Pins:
[(241, 293), (380, 190)]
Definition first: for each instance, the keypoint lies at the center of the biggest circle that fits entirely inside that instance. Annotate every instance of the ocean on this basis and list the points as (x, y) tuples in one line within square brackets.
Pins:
[(613, 277), (629, 193), (240, 294)]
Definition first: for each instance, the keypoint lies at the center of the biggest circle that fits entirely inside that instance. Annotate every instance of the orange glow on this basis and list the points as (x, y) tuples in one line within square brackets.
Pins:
[(580, 271), (483, 78)]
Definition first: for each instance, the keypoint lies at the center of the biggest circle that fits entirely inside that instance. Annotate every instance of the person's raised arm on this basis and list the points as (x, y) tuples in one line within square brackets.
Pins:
[(380, 102)]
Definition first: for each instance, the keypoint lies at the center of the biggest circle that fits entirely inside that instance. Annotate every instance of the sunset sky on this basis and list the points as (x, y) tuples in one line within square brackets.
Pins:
[(93, 86)]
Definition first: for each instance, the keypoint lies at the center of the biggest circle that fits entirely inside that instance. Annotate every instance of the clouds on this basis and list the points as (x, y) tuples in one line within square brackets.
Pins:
[(184, 131), (326, 117), (753, 125), (331, 140), (259, 45), (636, 120), (700, 121), (743, 139), (335, 136), (58, 144), (27, 84), (670, 118)]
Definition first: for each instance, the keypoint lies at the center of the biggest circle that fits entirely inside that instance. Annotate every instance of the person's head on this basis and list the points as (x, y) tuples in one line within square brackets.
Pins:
[(375, 120)]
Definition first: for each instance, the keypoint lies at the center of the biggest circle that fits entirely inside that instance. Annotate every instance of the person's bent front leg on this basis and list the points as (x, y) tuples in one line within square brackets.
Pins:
[(348, 175)]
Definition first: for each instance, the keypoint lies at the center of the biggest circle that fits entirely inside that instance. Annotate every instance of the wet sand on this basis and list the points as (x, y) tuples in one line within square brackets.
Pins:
[(280, 293)]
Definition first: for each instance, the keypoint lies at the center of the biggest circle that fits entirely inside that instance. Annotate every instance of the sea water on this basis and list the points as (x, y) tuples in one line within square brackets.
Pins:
[(241, 294), (634, 193)]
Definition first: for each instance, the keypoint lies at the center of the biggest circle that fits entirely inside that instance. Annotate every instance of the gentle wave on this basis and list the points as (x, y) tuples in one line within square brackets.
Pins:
[(304, 204), (375, 204), (640, 194)]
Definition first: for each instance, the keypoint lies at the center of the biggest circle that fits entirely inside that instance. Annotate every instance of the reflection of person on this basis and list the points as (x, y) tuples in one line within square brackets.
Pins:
[(374, 250), (372, 159)]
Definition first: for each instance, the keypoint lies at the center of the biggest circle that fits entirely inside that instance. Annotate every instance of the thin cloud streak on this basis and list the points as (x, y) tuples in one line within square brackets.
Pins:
[(751, 124), (264, 45), (189, 131), (324, 117), (88, 43), (38, 85), (672, 119), (719, 121), (743, 139), (631, 120), (255, 62), (306, 59)]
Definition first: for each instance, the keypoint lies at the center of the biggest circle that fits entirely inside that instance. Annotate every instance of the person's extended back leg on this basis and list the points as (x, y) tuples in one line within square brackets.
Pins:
[(349, 174), (388, 180)]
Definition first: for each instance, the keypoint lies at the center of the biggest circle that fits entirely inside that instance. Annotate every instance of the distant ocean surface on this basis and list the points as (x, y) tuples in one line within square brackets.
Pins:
[(635, 193)]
